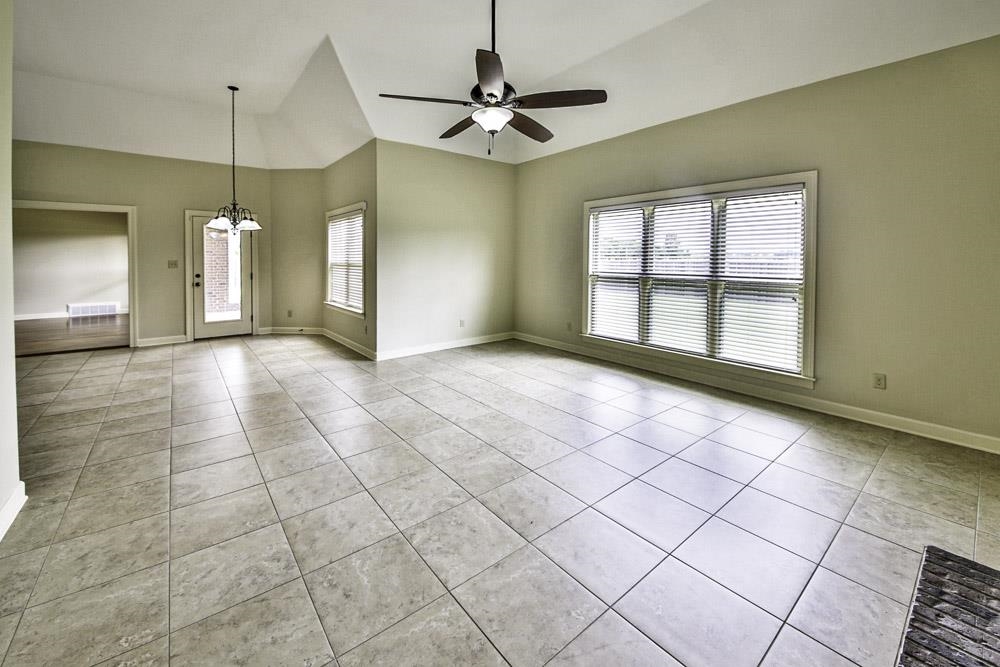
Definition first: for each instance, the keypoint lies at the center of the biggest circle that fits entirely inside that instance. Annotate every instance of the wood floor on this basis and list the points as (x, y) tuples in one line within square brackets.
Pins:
[(66, 335)]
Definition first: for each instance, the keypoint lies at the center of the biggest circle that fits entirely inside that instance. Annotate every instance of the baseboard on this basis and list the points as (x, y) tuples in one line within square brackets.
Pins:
[(306, 331), (981, 441), (987, 443), (393, 354), (347, 342), (13, 505), (446, 345), (162, 340)]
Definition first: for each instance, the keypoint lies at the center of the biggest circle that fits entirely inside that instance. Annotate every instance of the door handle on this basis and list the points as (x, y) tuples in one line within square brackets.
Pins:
[(197, 284)]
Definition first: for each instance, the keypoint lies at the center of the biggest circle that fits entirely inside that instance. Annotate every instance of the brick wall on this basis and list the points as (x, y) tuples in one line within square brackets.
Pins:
[(216, 280)]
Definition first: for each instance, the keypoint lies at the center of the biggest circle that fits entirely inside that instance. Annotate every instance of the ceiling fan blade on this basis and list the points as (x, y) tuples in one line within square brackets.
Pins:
[(460, 126), (530, 128), (490, 72), (439, 100), (560, 98)]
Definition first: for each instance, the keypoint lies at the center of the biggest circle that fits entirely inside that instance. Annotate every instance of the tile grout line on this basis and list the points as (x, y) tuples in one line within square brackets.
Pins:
[(288, 543), (48, 551), (819, 565), (745, 486), (586, 505), (431, 463), (62, 516), (447, 591), (671, 553), (170, 517), (531, 543), (472, 497)]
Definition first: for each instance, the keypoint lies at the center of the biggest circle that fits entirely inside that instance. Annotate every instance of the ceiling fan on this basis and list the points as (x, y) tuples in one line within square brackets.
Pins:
[(496, 102)]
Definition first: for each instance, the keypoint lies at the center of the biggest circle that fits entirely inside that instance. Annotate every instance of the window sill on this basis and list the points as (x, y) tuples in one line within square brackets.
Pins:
[(718, 367), (346, 311)]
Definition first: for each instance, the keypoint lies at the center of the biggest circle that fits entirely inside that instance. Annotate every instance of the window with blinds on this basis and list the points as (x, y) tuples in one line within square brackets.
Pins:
[(345, 259), (722, 275)]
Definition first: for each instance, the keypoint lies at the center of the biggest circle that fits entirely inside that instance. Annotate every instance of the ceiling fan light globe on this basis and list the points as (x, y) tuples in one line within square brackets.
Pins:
[(219, 222), (492, 119)]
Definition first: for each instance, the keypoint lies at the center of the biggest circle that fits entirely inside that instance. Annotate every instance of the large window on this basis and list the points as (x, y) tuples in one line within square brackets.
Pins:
[(720, 272), (345, 234)]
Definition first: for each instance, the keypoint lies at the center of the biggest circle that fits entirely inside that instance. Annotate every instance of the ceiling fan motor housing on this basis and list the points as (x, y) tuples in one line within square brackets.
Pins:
[(479, 98)]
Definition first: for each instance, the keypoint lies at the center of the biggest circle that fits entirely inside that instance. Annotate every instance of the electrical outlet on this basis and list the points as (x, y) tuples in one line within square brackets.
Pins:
[(878, 381), (569, 326), (289, 313), (461, 324)]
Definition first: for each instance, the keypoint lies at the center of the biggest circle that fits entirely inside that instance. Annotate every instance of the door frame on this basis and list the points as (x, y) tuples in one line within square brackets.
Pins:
[(132, 221), (189, 275)]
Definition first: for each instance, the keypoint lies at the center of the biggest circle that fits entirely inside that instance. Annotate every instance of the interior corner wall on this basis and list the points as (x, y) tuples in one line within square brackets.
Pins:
[(347, 181), (298, 236), (445, 248), (11, 488), (54, 265), (908, 156), (161, 189)]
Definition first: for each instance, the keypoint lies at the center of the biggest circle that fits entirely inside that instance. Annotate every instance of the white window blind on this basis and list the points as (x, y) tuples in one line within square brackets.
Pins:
[(345, 260), (720, 275)]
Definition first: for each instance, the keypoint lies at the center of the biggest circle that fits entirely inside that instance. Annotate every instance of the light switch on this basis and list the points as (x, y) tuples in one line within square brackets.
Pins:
[(171, 263)]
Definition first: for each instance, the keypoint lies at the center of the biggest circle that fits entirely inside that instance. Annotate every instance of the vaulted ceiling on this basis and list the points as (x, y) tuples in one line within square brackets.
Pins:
[(150, 77)]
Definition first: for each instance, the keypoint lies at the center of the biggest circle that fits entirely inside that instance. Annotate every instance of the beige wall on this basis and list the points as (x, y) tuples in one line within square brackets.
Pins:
[(908, 157), (350, 180), (63, 257), (161, 189), (297, 235), (10, 485), (445, 247)]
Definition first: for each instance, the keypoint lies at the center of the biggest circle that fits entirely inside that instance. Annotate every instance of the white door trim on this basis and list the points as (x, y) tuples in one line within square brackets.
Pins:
[(131, 215), (189, 276)]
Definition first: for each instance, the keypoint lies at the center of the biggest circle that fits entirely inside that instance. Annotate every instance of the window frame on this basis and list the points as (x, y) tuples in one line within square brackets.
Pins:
[(809, 181), (343, 211)]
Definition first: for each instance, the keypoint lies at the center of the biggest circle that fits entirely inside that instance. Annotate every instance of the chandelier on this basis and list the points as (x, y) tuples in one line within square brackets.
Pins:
[(233, 216)]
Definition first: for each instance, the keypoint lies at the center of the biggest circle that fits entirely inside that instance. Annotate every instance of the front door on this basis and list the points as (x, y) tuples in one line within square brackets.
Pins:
[(221, 280)]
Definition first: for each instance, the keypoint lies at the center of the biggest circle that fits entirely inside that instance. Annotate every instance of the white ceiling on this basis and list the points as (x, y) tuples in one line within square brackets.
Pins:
[(149, 77)]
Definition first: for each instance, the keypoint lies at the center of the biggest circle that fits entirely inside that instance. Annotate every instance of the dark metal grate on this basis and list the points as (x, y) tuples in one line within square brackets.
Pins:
[(955, 614)]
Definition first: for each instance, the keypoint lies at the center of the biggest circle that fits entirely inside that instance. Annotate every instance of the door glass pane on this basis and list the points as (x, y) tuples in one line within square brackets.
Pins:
[(223, 280)]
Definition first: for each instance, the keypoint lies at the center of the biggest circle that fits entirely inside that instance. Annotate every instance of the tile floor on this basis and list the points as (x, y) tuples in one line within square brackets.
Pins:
[(278, 500)]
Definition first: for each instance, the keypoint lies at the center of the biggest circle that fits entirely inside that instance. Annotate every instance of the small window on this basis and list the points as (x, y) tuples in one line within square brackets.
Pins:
[(719, 272), (345, 234)]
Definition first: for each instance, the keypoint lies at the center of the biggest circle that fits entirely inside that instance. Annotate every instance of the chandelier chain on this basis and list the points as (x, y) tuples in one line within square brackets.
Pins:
[(233, 96)]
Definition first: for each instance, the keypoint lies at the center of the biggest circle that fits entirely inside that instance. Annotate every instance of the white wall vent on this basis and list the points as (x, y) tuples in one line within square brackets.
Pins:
[(88, 309)]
